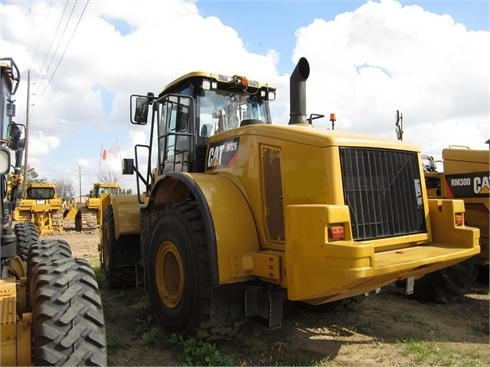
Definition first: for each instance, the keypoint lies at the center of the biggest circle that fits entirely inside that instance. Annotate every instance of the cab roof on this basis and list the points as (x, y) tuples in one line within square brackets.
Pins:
[(217, 77)]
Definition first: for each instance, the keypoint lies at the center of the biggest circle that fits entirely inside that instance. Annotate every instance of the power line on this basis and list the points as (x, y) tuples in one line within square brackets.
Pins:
[(42, 32), (55, 52), (54, 37), (64, 51)]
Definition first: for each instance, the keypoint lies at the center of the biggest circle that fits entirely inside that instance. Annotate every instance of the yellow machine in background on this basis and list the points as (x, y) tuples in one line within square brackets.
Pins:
[(88, 215), (50, 307), (240, 215), (465, 176), (41, 206)]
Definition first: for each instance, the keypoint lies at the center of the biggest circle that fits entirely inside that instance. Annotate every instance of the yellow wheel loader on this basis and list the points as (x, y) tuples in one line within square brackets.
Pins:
[(88, 215), (41, 206), (465, 176), (236, 215), (50, 307)]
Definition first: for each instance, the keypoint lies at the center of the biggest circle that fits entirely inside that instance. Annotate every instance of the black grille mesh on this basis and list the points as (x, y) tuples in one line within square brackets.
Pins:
[(383, 192)]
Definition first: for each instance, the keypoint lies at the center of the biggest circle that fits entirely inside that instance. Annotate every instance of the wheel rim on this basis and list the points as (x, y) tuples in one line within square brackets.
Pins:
[(169, 269)]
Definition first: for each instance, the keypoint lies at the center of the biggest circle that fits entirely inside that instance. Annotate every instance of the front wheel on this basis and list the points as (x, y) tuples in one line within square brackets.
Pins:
[(179, 284)]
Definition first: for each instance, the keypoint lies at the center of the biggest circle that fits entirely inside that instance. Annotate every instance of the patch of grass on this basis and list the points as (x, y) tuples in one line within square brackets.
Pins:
[(472, 358), (99, 275), (114, 344), (256, 345), (433, 353), (419, 350), (151, 337), (195, 352)]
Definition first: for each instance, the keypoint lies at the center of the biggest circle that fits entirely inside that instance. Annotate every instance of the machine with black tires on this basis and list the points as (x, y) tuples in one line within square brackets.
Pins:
[(465, 176), (87, 216), (41, 206), (239, 215), (50, 307)]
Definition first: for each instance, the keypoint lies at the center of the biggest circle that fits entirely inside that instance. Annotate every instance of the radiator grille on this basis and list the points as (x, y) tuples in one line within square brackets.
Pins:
[(383, 191)]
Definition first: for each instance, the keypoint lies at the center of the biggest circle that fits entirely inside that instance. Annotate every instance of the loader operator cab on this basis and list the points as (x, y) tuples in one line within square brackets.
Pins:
[(190, 110), (101, 189)]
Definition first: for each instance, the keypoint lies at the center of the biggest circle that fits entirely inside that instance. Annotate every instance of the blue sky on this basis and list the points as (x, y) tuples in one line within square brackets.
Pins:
[(428, 59), (263, 25)]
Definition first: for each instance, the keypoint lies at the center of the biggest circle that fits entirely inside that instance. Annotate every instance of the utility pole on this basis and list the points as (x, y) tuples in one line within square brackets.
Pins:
[(80, 184), (26, 133)]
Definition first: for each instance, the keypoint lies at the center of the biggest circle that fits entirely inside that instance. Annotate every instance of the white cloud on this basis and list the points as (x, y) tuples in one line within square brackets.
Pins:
[(365, 65), (381, 57), (162, 40), (41, 145)]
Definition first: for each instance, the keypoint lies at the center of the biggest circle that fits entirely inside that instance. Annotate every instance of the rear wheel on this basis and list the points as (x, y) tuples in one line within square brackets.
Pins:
[(446, 285), (178, 276), (67, 316)]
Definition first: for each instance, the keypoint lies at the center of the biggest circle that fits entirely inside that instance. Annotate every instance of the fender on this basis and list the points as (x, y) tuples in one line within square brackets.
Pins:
[(229, 225), (126, 214)]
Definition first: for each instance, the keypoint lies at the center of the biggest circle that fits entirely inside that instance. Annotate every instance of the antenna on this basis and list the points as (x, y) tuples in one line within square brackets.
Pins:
[(399, 125)]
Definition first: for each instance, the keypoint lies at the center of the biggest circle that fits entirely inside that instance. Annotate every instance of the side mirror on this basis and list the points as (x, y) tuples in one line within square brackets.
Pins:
[(139, 106), (16, 135), (128, 166), (4, 161)]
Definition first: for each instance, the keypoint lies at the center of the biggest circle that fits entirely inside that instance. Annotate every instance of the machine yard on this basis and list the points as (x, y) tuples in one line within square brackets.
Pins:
[(387, 329)]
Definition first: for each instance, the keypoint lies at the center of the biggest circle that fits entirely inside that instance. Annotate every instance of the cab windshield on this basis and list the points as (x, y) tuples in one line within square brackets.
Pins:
[(44, 193), (106, 190), (221, 110)]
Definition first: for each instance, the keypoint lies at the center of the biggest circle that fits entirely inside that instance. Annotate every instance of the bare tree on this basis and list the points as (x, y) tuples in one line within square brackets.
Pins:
[(65, 189), (32, 175), (111, 176)]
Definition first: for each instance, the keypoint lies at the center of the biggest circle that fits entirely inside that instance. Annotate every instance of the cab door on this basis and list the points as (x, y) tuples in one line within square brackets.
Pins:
[(175, 134)]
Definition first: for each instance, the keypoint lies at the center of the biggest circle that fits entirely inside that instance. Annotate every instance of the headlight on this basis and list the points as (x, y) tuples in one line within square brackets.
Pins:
[(4, 161)]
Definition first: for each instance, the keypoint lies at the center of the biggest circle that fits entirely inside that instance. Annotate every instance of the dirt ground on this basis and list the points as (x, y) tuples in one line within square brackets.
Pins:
[(387, 329)]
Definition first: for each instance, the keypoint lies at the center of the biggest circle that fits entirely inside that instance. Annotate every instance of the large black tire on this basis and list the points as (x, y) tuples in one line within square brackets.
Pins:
[(27, 235), (447, 285), (178, 274), (119, 257), (145, 245), (46, 251), (67, 317), (483, 274)]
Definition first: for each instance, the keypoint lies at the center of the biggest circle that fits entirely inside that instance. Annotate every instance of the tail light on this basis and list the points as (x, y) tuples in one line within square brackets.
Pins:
[(336, 232), (458, 219)]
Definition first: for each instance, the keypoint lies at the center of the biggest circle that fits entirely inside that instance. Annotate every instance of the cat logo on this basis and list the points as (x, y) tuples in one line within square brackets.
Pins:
[(481, 185), (468, 185), (222, 154)]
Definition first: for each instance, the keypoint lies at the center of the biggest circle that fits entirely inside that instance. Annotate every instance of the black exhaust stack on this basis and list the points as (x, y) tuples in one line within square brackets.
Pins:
[(297, 92)]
